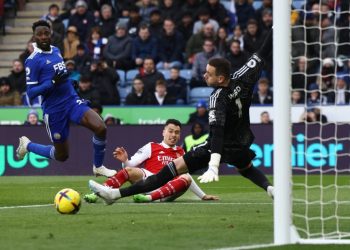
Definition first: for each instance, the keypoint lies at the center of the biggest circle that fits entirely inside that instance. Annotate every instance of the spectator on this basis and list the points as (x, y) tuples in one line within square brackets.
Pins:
[(191, 6), (303, 73), (218, 12), (96, 43), (221, 42), (263, 95), (203, 19), (169, 9), (201, 114), (177, 86), (82, 59), (329, 35), (8, 97), (253, 38), (54, 19), (138, 95), (118, 48), (32, 118), (17, 78), (155, 23), (196, 41), (104, 79), (146, 7), (160, 96), (71, 69), (198, 135), (143, 46), (313, 115), (265, 118), (134, 22), (341, 95), (106, 21), (26, 53), (86, 91), (297, 97), (111, 120), (266, 22), (200, 62), (56, 39), (82, 19), (185, 26), (149, 75), (315, 98), (70, 43), (326, 79), (266, 4), (237, 35), (236, 56), (244, 12), (170, 46)]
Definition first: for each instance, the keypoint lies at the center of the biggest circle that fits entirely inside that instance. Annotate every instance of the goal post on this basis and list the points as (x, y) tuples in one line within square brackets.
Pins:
[(312, 160)]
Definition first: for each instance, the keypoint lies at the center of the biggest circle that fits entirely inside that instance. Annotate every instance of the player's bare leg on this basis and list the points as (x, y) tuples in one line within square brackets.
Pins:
[(93, 121)]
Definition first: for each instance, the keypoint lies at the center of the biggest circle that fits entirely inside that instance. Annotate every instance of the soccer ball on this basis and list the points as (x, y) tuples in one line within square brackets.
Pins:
[(67, 201)]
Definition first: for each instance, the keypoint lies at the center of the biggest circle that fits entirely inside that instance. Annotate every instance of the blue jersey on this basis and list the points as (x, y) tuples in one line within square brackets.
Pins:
[(41, 67)]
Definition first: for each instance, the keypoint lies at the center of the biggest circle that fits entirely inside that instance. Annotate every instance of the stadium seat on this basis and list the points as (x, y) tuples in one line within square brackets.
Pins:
[(123, 92), (199, 93), (186, 73), (121, 74), (130, 75), (166, 73)]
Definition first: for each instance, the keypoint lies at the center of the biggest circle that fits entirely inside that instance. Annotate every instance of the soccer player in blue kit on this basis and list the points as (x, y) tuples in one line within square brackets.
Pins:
[(46, 75)]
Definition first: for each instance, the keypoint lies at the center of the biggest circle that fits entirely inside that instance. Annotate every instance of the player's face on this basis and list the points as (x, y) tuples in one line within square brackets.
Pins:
[(171, 134), (42, 36), (210, 76)]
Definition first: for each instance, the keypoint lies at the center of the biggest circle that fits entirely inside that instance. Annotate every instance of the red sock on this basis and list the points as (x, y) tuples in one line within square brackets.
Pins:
[(118, 179), (172, 187)]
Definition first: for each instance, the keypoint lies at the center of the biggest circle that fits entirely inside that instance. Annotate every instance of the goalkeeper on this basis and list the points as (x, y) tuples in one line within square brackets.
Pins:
[(230, 135)]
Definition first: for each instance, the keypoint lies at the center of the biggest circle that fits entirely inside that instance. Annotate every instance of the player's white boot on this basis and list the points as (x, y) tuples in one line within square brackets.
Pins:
[(108, 194), (103, 171), (270, 191), (22, 150)]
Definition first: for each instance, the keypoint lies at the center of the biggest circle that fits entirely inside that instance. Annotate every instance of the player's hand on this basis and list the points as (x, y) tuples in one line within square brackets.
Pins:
[(120, 154), (60, 77), (209, 197), (212, 174)]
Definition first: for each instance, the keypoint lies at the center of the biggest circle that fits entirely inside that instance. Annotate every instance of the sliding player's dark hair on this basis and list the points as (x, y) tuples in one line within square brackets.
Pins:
[(40, 23), (173, 121), (222, 66)]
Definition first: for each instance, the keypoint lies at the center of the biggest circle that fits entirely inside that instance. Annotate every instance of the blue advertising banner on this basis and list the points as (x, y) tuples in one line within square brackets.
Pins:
[(314, 147)]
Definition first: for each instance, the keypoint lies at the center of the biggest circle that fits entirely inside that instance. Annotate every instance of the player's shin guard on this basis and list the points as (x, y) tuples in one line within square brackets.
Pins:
[(44, 150), (118, 179), (99, 150), (172, 187), (256, 176), (152, 182)]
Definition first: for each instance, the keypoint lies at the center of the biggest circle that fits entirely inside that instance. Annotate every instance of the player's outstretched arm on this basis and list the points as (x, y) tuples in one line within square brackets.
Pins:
[(199, 192)]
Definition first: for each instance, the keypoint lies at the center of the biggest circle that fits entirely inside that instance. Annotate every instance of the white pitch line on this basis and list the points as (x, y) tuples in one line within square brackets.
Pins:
[(26, 206), (247, 247)]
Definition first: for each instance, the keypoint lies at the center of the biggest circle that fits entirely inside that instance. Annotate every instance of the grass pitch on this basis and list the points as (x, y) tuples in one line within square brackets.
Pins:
[(28, 219)]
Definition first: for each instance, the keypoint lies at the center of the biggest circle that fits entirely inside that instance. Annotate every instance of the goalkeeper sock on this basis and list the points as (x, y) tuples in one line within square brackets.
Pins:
[(174, 186), (99, 145), (118, 179), (256, 176), (152, 182), (44, 150)]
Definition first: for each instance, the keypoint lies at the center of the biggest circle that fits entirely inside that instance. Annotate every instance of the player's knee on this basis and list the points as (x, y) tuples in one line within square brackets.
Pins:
[(186, 178), (101, 130)]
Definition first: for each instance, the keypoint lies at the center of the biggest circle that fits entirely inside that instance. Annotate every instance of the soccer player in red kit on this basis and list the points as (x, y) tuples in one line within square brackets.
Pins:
[(152, 157)]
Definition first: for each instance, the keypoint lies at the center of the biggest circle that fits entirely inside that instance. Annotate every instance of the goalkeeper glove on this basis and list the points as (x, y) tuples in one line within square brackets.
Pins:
[(212, 174), (60, 77)]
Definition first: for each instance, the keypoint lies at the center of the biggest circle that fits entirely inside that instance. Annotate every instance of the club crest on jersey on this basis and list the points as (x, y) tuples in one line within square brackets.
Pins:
[(57, 136), (212, 117)]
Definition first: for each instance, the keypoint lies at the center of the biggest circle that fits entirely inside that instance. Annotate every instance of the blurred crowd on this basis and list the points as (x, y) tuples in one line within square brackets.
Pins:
[(101, 41)]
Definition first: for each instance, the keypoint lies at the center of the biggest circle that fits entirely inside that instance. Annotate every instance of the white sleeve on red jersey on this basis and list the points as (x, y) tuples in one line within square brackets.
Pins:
[(196, 189), (140, 156)]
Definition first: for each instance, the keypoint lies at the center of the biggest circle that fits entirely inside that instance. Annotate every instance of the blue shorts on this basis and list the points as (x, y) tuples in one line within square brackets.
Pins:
[(57, 123)]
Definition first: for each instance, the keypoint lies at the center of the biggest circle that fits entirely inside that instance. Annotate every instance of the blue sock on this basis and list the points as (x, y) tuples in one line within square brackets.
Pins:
[(99, 150), (44, 150)]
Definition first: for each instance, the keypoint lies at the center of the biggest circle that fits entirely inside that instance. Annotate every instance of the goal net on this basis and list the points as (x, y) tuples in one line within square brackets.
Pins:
[(320, 157)]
